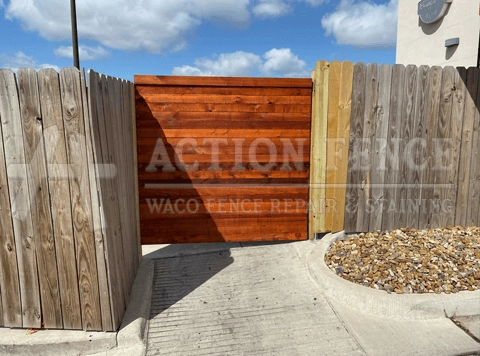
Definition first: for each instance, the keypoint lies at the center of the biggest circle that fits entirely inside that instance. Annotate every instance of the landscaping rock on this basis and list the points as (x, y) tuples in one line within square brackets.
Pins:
[(410, 261)]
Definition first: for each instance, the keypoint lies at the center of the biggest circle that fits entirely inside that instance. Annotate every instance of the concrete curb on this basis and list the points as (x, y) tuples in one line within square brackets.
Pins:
[(131, 338), (399, 306)]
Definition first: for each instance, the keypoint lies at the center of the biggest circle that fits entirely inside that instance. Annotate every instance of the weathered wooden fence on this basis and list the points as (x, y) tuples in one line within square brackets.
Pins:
[(223, 159), (413, 147), (70, 245)]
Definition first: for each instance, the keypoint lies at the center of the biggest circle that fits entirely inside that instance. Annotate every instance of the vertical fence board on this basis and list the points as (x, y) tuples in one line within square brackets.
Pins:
[(127, 131), (39, 197), (115, 147), (355, 148), (431, 124), (318, 156), (133, 122), (367, 150), (443, 146), (343, 136), (419, 154), (80, 194), (20, 200), (9, 282), (334, 80), (393, 148), (57, 169), (96, 216), (106, 198), (407, 180), (113, 218), (456, 126), (382, 115), (473, 217), (465, 164)]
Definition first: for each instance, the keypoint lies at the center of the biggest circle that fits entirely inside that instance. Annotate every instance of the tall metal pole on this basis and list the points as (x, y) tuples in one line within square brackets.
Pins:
[(73, 11)]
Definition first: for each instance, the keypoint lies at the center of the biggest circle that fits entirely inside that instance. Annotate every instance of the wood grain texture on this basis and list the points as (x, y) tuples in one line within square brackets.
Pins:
[(428, 178), (58, 181), (99, 96), (334, 82), (355, 147), (464, 198), (104, 290), (39, 197), (222, 81), (81, 200), (379, 153), (367, 148), (419, 147), (408, 191), (394, 139), (318, 148), (447, 151), (473, 217), (9, 281), (227, 132), (20, 200), (343, 138)]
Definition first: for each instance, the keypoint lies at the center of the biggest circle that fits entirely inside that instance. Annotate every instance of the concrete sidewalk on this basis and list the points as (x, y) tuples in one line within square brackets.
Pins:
[(243, 299), (260, 299)]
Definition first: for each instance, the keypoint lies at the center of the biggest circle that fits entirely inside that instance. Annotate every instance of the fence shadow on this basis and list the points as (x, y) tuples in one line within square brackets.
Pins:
[(177, 276), (168, 194)]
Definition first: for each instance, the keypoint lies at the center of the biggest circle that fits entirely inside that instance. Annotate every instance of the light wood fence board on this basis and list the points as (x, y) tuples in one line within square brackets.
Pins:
[(382, 115), (343, 135), (318, 156), (20, 200), (393, 147), (367, 150), (432, 117), (408, 183), (104, 291), (355, 148), (39, 197), (58, 174), (9, 281), (115, 147), (465, 164), (473, 218), (81, 202), (420, 159), (113, 206), (334, 81), (105, 191), (443, 144)]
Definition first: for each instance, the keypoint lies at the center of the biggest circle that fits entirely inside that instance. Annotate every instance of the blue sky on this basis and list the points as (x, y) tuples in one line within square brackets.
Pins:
[(275, 38)]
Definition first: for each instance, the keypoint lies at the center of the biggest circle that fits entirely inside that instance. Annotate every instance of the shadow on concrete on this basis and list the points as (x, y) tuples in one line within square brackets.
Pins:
[(180, 269)]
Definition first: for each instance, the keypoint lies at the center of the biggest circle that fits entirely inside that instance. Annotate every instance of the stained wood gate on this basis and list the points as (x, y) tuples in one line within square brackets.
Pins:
[(223, 159)]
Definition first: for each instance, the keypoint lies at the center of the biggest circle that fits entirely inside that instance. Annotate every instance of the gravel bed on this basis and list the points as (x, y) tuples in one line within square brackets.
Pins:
[(410, 261)]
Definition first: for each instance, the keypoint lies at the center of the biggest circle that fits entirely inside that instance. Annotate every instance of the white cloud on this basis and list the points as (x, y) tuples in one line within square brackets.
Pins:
[(155, 26), (363, 24), (21, 60), (277, 8), (271, 8), (278, 62), (86, 53), (226, 64), (282, 61)]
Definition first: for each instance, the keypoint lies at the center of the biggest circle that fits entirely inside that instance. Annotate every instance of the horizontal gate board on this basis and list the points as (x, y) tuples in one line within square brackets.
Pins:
[(223, 159)]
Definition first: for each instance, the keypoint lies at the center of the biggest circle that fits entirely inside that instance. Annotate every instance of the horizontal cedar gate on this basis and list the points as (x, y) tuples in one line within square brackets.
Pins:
[(223, 159)]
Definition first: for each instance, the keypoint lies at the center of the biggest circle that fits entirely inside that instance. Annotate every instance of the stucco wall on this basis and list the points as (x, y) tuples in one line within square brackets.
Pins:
[(419, 43)]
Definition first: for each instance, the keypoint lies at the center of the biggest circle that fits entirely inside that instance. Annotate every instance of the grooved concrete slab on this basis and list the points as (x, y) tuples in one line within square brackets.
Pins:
[(385, 336), (258, 300)]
